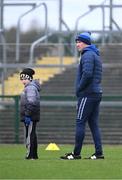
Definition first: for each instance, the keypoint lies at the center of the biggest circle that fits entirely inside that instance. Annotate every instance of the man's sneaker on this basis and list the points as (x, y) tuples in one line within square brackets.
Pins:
[(70, 156), (95, 156)]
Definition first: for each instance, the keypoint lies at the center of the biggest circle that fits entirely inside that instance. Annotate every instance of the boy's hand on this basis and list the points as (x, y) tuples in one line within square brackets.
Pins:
[(27, 120)]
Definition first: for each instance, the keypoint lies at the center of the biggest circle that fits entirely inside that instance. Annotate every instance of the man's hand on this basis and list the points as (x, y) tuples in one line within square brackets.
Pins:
[(27, 120)]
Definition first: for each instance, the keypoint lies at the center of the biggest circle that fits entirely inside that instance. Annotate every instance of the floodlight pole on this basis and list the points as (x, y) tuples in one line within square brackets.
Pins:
[(34, 44), (103, 19), (1, 14), (18, 33), (60, 33), (110, 21), (18, 27), (4, 44), (76, 29), (103, 25), (18, 4)]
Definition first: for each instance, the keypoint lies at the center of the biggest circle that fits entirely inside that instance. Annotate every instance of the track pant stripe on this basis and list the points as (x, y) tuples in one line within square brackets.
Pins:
[(83, 108), (28, 138), (80, 107)]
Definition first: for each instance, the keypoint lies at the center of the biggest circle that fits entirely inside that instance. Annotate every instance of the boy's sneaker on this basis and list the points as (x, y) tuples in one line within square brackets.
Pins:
[(31, 158), (95, 156), (70, 156)]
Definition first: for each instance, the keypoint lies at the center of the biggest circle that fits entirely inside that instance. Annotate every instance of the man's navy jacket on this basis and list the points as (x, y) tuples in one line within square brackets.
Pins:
[(89, 73)]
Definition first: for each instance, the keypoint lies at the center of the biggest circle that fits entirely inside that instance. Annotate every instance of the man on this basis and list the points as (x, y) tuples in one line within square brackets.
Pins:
[(89, 94)]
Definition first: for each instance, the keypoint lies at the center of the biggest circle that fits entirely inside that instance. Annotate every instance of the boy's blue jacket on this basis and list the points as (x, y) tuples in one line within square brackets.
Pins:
[(89, 73)]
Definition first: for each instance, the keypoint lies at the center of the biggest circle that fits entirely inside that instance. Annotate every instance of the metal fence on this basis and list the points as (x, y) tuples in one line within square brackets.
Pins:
[(57, 122), (58, 111)]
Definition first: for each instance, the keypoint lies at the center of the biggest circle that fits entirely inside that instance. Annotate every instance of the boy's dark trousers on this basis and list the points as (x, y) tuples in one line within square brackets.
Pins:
[(31, 140), (88, 111)]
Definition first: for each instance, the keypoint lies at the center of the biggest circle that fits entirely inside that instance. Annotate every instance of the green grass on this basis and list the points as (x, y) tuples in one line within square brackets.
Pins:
[(49, 166)]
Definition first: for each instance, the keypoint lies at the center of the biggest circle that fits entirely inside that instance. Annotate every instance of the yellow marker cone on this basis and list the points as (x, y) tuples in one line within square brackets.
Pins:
[(52, 147)]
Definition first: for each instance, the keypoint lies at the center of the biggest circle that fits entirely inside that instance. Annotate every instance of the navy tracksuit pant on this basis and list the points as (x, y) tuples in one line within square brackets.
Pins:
[(31, 140), (88, 111)]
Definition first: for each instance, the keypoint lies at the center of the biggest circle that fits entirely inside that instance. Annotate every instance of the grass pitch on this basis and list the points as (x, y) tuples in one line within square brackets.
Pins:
[(49, 166)]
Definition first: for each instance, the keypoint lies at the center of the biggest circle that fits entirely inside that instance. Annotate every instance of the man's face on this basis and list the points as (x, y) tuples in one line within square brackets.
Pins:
[(80, 45)]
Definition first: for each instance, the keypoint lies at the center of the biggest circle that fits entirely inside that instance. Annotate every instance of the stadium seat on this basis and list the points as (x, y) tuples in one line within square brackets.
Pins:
[(14, 87)]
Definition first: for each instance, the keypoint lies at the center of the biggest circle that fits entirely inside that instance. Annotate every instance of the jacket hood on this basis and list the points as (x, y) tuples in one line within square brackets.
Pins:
[(35, 83), (91, 48)]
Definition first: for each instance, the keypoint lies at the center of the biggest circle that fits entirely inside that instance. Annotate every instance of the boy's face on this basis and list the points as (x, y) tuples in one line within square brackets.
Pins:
[(25, 81)]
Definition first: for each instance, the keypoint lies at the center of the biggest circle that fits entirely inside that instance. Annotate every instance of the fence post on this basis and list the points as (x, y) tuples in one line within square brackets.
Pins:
[(16, 99)]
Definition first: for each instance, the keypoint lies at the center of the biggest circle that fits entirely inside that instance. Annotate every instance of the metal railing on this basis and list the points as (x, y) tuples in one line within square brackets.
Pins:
[(10, 118)]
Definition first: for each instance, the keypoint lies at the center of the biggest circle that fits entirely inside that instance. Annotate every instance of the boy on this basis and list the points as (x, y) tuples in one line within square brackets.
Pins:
[(30, 110)]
